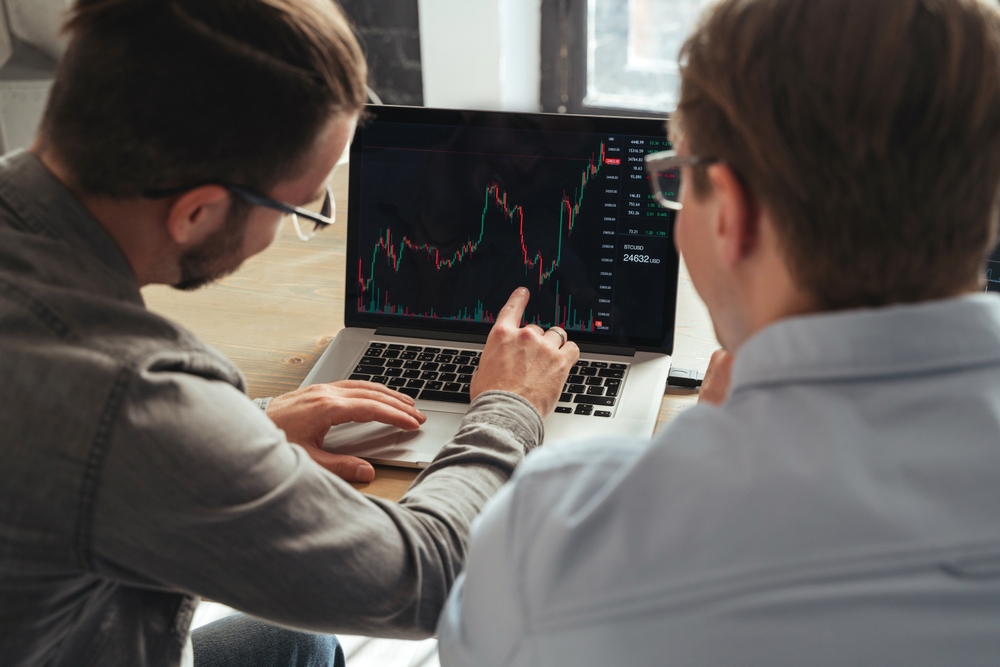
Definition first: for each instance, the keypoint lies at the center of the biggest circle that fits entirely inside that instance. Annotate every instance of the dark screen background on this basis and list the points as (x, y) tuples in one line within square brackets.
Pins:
[(454, 218), (993, 272)]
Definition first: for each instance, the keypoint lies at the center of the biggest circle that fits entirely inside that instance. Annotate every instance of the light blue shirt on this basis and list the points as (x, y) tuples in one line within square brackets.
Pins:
[(841, 508)]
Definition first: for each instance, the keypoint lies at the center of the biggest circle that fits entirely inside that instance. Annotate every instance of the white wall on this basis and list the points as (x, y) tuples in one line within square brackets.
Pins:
[(520, 55), (26, 76), (481, 54), (38, 22)]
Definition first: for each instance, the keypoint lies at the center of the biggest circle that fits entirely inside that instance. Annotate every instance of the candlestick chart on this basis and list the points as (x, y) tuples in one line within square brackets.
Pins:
[(530, 237), (993, 272)]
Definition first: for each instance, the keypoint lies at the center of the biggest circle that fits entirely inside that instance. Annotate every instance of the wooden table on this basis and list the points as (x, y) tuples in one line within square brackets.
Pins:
[(277, 314)]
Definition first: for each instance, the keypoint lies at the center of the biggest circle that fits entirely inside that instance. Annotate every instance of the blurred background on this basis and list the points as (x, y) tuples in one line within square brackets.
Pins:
[(560, 56)]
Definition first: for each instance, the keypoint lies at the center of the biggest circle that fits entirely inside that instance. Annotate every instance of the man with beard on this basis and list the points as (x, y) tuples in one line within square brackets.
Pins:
[(135, 475)]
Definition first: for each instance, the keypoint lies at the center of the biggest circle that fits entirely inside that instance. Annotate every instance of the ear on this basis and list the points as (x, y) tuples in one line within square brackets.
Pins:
[(736, 223), (197, 213)]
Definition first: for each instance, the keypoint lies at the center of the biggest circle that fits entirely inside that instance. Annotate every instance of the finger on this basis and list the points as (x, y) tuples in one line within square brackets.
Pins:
[(570, 352), (375, 391), (346, 397), (556, 337), (720, 364), (365, 410), (349, 468), (715, 386), (512, 312), (373, 386), (537, 329)]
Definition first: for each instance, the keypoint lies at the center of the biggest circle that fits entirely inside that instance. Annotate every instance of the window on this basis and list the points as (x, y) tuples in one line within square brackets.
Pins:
[(614, 55), (632, 48)]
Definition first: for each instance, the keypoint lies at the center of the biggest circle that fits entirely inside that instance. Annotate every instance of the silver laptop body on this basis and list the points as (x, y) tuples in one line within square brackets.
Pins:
[(450, 211)]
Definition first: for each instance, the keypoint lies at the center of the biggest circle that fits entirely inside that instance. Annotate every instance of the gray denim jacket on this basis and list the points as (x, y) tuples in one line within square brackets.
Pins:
[(135, 474)]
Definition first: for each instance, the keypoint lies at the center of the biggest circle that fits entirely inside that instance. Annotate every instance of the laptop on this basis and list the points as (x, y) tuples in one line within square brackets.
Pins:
[(449, 212), (993, 271)]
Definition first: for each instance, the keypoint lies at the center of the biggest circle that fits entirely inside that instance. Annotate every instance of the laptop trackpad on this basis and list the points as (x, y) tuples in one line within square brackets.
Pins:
[(390, 445)]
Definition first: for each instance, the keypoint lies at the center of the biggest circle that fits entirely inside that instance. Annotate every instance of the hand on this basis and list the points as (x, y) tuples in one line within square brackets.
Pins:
[(715, 386), (307, 414), (526, 361)]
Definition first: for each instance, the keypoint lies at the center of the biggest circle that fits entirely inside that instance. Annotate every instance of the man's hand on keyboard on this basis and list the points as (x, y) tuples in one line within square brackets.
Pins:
[(526, 360), (307, 414)]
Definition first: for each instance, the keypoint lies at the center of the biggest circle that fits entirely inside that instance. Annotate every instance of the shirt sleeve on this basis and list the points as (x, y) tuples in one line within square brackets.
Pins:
[(522, 549), (199, 491), (482, 624)]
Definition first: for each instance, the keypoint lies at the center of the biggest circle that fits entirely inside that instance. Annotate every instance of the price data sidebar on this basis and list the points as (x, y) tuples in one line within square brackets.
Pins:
[(993, 272), (638, 247)]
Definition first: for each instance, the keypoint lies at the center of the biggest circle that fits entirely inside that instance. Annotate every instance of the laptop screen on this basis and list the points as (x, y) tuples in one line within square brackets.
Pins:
[(450, 211), (993, 272)]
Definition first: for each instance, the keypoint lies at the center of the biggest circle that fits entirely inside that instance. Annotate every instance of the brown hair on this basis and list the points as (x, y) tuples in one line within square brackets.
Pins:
[(168, 93), (869, 128)]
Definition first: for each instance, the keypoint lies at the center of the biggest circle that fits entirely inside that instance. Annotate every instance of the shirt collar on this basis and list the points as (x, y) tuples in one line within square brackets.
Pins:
[(873, 342), (47, 207)]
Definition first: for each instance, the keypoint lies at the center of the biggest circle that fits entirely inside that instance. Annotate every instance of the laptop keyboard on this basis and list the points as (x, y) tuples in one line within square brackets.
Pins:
[(428, 373), (592, 388), (444, 374)]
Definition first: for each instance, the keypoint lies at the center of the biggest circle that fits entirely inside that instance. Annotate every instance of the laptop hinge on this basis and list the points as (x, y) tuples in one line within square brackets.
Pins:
[(436, 335), (590, 348)]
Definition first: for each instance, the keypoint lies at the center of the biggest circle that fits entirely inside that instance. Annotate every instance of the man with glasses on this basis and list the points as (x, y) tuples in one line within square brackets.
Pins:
[(135, 474), (835, 501), (325, 217)]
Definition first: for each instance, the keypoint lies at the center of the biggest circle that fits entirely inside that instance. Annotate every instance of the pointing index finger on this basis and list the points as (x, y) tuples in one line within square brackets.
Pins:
[(512, 312)]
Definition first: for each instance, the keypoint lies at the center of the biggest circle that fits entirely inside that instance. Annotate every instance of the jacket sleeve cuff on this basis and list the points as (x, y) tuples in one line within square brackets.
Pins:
[(510, 412)]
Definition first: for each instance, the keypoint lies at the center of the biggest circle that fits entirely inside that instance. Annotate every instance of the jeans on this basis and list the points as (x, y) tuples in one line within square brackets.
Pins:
[(243, 641)]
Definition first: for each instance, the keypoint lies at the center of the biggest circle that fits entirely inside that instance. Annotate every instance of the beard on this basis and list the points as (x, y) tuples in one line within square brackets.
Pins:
[(218, 256)]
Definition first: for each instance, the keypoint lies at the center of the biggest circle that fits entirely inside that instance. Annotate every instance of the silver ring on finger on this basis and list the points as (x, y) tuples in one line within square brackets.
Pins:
[(562, 334)]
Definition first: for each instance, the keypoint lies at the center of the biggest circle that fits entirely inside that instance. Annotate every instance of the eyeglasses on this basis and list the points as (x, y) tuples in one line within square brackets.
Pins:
[(326, 216), (664, 169)]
